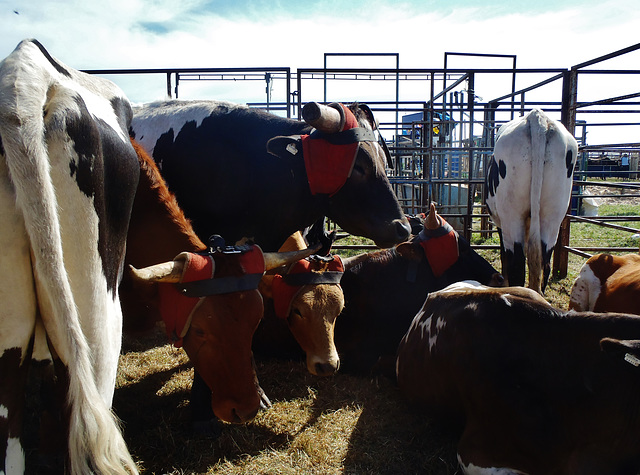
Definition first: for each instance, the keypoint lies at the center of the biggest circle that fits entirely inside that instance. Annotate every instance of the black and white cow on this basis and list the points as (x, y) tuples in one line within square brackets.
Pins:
[(215, 158), (528, 188), (68, 175)]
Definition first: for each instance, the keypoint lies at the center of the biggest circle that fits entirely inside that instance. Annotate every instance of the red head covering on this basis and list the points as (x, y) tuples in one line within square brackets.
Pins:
[(177, 309), (328, 166), (440, 247), (283, 292)]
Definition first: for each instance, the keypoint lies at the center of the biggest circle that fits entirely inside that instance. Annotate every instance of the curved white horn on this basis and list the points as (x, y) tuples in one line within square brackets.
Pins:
[(349, 262), (273, 260), (167, 272), (326, 119)]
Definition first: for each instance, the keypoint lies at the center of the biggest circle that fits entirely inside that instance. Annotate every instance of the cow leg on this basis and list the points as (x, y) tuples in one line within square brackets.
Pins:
[(13, 377), (17, 321), (516, 264), (503, 257), (48, 383), (513, 258), (546, 265), (203, 420)]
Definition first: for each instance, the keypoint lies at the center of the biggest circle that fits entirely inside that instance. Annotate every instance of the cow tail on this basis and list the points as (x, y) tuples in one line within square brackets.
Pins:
[(537, 124), (95, 440)]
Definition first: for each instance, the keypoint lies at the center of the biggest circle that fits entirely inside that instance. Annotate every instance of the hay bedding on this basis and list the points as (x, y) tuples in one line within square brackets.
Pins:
[(340, 424)]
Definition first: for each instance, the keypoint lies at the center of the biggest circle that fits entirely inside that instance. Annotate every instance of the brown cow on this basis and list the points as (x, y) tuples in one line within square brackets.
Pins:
[(536, 389), (608, 283), (216, 319), (307, 298)]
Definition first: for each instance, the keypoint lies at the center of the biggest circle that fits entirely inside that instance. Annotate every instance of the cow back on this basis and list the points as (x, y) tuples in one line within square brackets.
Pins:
[(73, 176), (538, 390), (214, 157)]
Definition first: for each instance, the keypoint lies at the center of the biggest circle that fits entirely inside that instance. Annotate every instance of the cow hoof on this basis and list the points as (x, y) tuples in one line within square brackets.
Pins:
[(211, 428), (265, 403)]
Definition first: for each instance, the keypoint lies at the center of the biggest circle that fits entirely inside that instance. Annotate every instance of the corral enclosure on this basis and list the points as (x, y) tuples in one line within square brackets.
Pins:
[(440, 125)]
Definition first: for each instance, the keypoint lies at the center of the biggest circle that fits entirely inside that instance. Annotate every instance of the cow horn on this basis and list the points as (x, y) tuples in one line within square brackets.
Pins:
[(167, 272), (349, 262), (432, 221), (328, 119), (273, 260)]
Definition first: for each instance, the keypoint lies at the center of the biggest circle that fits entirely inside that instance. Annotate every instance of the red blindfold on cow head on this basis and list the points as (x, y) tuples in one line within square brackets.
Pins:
[(440, 247), (310, 271), (329, 158), (179, 301)]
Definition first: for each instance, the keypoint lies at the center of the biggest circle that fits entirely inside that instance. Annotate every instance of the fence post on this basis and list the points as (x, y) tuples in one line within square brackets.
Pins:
[(568, 118)]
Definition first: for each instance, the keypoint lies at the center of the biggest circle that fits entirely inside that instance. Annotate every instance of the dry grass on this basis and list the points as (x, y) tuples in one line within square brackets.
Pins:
[(338, 425), (341, 424)]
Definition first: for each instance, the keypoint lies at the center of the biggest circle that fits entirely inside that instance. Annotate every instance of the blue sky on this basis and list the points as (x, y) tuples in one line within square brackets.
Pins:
[(244, 33)]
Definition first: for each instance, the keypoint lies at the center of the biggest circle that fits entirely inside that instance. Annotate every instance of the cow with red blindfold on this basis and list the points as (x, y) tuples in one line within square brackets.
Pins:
[(385, 289), (302, 302), (241, 172)]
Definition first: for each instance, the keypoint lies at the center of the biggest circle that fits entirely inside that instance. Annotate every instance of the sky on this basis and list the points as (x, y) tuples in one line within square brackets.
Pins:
[(292, 33)]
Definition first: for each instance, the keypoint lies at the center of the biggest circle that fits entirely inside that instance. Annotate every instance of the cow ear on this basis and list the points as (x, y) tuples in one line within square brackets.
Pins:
[(285, 147), (409, 251), (627, 350)]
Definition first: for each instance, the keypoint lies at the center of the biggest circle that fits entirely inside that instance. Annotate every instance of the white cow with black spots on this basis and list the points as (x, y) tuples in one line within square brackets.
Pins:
[(528, 188), (68, 175)]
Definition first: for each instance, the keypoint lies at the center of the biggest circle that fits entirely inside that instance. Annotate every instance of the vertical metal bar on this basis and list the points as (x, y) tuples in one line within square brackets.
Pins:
[(469, 150), (513, 86), (325, 79), (397, 97), (568, 118), (288, 86), (169, 85), (487, 141), (428, 136), (299, 80)]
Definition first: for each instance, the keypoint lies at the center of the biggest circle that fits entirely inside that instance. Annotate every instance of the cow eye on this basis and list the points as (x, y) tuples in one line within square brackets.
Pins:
[(297, 313), (358, 169)]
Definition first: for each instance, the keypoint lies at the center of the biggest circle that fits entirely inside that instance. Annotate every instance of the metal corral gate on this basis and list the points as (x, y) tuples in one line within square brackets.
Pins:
[(441, 130)]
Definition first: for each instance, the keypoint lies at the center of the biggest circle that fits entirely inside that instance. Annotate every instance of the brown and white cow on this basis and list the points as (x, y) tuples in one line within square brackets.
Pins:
[(608, 283), (535, 389), (307, 298), (208, 301), (527, 191), (68, 176)]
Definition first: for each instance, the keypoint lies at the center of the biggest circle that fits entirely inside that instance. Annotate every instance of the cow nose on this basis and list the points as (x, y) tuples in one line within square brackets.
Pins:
[(497, 280), (243, 416), (403, 229), (325, 369)]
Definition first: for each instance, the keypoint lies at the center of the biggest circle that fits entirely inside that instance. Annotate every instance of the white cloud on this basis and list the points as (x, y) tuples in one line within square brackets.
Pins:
[(197, 33)]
